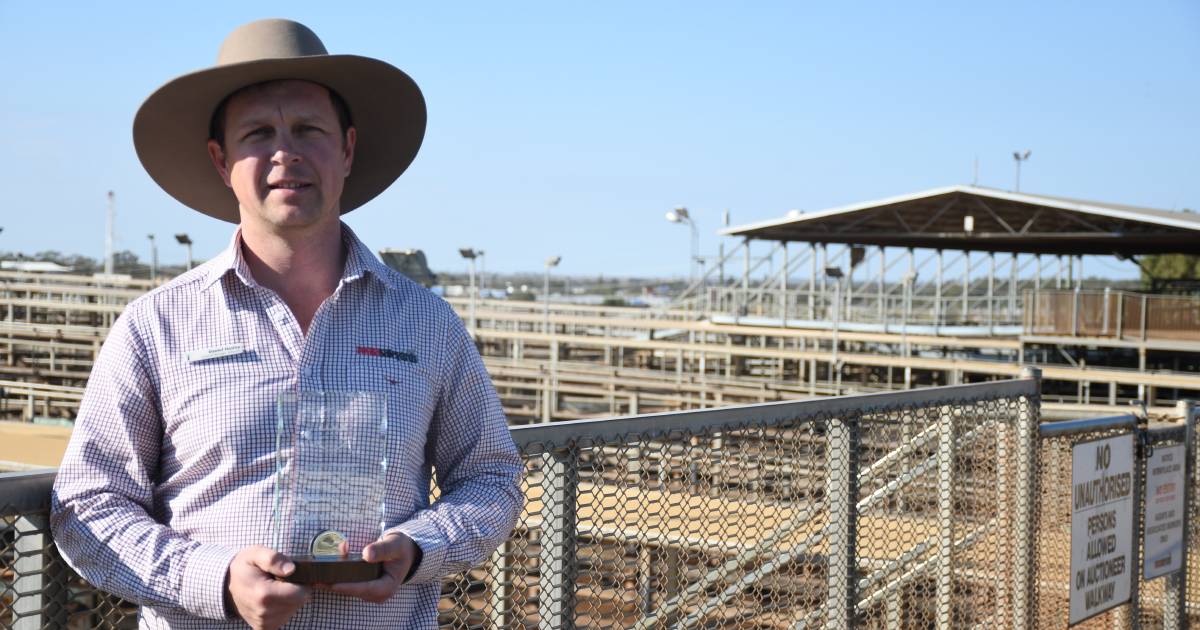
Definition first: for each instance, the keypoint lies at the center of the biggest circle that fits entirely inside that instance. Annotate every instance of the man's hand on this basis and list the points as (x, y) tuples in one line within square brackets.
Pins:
[(262, 601), (396, 551)]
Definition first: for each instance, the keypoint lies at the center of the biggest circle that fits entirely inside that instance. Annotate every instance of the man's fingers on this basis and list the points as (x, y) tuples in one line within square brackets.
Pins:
[(272, 562), (277, 592)]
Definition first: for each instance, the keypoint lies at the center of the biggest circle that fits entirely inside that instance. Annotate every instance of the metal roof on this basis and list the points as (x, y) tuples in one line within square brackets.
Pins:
[(1003, 222)]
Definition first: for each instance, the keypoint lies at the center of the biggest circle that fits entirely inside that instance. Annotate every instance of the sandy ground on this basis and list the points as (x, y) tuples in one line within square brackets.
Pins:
[(25, 446)]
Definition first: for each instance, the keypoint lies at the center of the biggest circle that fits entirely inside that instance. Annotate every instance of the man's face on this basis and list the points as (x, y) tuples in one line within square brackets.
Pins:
[(285, 156)]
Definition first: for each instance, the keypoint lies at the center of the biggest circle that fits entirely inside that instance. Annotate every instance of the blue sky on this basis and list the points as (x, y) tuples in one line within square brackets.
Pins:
[(570, 128)]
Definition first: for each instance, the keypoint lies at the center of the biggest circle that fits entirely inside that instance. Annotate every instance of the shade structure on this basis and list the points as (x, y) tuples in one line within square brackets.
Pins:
[(975, 218)]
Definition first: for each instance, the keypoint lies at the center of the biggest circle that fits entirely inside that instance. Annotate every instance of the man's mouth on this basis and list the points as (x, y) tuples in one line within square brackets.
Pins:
[(288, 185)]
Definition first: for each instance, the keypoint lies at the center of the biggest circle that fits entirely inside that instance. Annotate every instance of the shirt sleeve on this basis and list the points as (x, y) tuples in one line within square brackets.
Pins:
[(477, 467), (103, 495)]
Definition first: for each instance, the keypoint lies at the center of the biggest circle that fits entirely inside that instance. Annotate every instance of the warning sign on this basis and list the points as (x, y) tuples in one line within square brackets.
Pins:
[(1101, 525), (1162, 542)]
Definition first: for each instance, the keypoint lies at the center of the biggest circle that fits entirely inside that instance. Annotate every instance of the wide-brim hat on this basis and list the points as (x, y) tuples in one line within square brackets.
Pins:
[(171, 129)]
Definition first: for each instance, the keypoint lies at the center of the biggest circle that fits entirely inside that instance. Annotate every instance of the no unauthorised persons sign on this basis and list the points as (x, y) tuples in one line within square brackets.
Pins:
[(1101, 525)]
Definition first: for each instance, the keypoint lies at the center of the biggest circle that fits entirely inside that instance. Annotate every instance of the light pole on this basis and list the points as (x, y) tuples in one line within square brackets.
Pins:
[(550, 262), (153, 258), (183, 239), (835, 376), (108, 235), (470, 255), (680, 215), (1020, 158)]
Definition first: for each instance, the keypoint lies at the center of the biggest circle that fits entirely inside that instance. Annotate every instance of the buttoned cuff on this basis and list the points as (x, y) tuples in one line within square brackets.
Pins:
[(433, 550), (203, 590)]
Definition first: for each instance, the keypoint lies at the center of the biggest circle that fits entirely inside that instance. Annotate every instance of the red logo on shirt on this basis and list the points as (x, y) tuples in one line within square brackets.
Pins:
[(389, 354)]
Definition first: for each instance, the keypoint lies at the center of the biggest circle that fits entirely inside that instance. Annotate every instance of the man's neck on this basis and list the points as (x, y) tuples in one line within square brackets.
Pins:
[(304, 268)]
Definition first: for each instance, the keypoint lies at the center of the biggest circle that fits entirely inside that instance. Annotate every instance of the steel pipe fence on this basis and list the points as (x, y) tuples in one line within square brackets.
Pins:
[(918, 509)]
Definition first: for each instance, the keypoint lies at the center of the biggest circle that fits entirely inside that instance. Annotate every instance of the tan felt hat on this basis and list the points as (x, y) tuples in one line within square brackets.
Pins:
[(170, 131)]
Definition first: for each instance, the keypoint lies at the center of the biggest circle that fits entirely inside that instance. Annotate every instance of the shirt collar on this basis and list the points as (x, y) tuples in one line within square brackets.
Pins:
[(360, 262)]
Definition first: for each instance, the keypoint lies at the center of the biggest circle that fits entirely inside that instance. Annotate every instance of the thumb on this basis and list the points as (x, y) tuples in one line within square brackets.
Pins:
[(272, 562), (390, 547)]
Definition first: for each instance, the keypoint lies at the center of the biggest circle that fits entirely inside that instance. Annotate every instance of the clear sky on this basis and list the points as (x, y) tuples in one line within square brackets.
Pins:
[(571, 128)]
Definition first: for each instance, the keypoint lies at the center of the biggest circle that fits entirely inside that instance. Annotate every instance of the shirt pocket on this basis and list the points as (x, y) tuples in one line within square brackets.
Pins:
[(411, 401)]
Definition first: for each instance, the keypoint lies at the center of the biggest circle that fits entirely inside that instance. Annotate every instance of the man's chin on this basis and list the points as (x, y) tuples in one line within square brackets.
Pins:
[(290, 217)]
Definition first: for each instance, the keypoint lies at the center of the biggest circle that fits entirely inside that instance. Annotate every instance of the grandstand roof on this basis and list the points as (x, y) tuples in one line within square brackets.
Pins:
[(1000, 221)]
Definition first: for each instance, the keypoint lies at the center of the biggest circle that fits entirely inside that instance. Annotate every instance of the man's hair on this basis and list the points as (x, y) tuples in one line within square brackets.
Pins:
[(216, 125)]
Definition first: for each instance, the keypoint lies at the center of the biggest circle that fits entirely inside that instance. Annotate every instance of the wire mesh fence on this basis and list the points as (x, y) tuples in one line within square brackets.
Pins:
[(1160, 602), (935, 508)]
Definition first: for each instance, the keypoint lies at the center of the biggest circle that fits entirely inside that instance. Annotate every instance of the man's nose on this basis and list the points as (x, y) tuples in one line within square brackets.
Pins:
[(284, 152)]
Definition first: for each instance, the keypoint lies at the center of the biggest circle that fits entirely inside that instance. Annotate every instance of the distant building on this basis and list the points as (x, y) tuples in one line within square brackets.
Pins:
[(39, 266), (411, 263)]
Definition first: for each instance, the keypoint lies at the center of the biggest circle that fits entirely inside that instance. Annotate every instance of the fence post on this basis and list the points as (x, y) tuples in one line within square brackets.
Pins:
[(1176, 587), (1075, 313), (1026, 495), (945, 514), (841, 494), (1120, 331), (502, 590), (556, 556), (40, 586), (1133, 611)]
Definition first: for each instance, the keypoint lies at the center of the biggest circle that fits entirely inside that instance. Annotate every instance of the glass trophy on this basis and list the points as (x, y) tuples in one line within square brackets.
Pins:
[(331, 467)]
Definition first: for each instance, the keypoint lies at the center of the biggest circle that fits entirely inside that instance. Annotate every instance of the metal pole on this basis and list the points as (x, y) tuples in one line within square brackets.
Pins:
[(812, 283), (966, 286), (841, 495), (835, 371), (991, 289), (937, 295), (945, 514), (695, 250), (1026, 504), (783, 288), (557, 566), (153, 257), (189, 255), (471, 289), (546, 300), (108, 234), (824, 281), (1013, 280), (40, 585), (1037, 279), (1175, 602), (745, 300), (882, 273)]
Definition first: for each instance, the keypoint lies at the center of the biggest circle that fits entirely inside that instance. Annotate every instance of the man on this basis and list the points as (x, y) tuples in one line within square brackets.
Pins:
[(165, 494)]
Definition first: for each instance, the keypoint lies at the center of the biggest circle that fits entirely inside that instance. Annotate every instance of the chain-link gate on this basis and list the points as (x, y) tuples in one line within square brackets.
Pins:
[(1168, 602), (920, 509)]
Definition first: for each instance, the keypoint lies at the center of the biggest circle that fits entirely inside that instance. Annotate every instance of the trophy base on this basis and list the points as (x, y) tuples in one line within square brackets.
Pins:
[(327, 570)]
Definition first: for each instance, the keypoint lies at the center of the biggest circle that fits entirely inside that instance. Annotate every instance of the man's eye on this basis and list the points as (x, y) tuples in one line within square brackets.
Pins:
[(256, 133), (310, 128)]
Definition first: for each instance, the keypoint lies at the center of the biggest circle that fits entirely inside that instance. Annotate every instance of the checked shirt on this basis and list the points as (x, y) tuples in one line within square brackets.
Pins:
[(170, 470)]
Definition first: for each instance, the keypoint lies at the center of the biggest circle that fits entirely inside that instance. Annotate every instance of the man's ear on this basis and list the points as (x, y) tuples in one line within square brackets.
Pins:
[(217, 155), (348, 149)]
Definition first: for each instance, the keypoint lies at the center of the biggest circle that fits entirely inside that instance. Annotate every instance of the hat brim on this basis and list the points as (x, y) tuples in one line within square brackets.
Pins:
[(170, 131)]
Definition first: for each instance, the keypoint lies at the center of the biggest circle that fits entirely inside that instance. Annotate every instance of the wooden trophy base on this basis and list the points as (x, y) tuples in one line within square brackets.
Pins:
[(331, 570)]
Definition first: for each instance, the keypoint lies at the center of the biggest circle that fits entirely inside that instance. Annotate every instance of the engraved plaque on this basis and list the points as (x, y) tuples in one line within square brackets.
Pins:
[(331, 468)]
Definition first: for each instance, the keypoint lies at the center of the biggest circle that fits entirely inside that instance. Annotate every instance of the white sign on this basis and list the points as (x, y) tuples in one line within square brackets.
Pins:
[(1101, 525), (1162, 543)]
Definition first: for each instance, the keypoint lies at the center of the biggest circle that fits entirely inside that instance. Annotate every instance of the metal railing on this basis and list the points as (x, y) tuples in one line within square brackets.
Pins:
[(914, 509), (1116, 314)]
